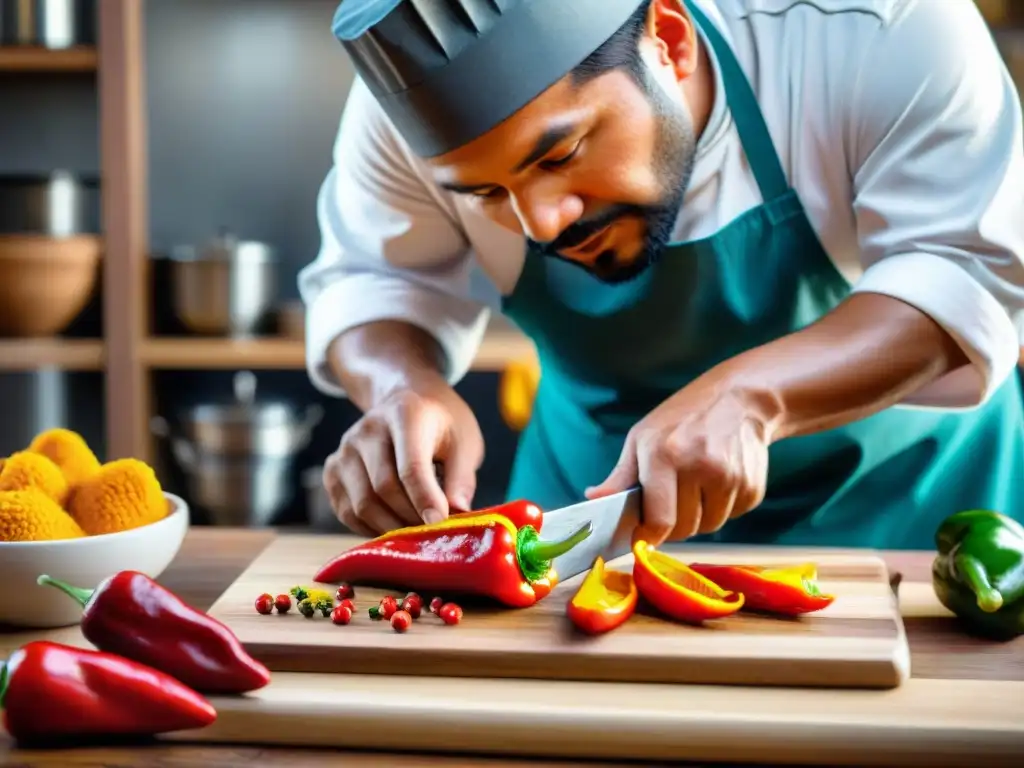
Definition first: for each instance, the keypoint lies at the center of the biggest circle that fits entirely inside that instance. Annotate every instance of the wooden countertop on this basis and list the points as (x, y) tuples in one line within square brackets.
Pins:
[(211, 559)]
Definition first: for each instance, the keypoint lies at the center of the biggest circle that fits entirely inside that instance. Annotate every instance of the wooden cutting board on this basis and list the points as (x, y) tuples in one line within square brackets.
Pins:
[(858, 642)]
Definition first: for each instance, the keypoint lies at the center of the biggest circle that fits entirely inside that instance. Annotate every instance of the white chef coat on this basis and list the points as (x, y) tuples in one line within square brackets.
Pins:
[(896, 121)]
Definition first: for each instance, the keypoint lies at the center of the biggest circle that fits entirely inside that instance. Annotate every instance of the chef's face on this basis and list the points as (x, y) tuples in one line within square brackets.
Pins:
[(593, 172)]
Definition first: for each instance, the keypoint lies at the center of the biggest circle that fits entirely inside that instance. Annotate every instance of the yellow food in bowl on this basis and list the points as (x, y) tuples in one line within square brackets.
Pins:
[(121, 495), (69, 451), (58, 489), (24, 470), (31, 515)]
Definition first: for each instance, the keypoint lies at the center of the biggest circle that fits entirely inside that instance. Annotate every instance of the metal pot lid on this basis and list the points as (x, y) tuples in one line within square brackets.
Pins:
[(225, 247), (244, 409)]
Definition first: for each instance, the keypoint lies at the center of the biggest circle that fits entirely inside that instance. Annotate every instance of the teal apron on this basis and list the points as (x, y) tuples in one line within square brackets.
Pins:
[(610, 354)]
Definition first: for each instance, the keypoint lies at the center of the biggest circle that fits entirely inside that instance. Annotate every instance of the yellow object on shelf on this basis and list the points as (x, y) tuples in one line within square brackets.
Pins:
[(517, 391)]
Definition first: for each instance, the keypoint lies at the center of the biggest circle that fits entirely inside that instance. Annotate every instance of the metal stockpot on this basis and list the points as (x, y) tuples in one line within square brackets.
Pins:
[(60, 204), (226, 287), (238, 457), (48, 23)]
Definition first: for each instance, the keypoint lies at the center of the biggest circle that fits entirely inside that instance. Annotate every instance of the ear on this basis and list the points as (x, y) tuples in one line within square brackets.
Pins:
[(674, 36)]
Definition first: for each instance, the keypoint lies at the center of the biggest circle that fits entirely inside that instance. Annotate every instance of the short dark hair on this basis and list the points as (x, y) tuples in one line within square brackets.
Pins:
[(620, 51)]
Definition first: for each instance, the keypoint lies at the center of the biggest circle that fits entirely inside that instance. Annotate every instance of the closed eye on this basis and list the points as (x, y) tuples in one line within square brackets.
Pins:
[(560, 161)]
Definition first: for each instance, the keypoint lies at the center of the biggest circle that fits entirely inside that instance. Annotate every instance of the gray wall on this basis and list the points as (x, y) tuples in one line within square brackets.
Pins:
[(244, 98)]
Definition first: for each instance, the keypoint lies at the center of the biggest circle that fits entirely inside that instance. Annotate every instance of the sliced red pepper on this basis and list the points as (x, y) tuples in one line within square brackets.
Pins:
[(51, 691), (133, 616), (604, 601), (480, 555), (676, 590), (791, 591), (520, 513)]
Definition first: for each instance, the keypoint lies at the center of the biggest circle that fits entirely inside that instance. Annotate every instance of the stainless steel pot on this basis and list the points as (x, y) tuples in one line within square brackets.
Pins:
[(61, 204), (48, 23), (238, 456), (236, 491), (226, 287)]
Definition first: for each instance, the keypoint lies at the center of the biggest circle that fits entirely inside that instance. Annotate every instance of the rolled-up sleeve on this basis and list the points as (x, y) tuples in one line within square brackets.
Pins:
[(390, 250), (937, 160)]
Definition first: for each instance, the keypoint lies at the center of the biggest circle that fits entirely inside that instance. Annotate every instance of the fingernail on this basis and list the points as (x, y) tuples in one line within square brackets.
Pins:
[(431, 516), (460, 501)]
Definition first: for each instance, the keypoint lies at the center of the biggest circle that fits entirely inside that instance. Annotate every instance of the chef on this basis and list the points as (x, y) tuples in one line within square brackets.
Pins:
[(771, 255)]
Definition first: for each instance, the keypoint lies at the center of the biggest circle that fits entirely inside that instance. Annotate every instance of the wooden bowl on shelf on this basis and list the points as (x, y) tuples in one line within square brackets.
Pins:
[(45, 282)]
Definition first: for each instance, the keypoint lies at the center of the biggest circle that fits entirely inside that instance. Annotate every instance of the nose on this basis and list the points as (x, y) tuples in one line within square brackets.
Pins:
[(545, 214)]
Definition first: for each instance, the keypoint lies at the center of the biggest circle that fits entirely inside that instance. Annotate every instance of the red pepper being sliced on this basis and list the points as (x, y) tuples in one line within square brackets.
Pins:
[(131, 615), (604, 601), (481, 555), (676, 590), (790, 591), (520, 513), (50, 691), (543, 586)]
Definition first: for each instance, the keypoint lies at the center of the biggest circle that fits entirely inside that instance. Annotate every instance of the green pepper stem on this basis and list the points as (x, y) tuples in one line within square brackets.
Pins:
[(973, 572), (535, 555), (78, 593), (3, 682)]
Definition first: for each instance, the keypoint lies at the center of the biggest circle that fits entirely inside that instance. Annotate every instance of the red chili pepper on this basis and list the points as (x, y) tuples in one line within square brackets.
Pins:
[(675, 590), (483, 555), (520, 513), (49, 690), (604, 601), (791, 591), (131, 615)]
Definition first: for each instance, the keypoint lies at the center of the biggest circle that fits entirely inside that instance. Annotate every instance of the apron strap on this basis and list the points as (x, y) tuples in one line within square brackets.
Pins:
[(753, 132)]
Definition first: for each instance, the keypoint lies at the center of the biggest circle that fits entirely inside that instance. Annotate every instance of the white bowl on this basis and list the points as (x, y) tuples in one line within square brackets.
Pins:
[(82, 563)]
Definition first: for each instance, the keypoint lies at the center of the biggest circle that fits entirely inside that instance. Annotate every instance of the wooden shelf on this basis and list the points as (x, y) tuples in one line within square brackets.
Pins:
[(31, 59), (500, 345), (67, 354)]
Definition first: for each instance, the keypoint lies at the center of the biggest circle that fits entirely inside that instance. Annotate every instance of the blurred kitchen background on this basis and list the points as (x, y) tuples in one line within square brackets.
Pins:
[(163, 321)]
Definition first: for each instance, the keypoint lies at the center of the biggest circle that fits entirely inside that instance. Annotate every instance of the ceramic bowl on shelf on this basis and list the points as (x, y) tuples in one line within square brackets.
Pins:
[(45, 282), (82, 563)]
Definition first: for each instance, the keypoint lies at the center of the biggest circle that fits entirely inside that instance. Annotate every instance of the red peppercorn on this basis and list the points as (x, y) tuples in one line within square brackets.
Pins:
[(435, 604), (344, 591), (388, 606), (348, 604), (283, 603), (400, 621), (450, 613), (412, 606), (342, 614), (414, 596), (265, 604)]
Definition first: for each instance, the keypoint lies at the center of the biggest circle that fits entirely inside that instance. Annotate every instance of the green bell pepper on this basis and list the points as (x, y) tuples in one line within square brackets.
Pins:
[(978, 573)]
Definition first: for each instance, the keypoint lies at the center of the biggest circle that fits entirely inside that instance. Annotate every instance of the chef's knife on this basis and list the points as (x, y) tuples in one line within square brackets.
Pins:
[(613, 518)]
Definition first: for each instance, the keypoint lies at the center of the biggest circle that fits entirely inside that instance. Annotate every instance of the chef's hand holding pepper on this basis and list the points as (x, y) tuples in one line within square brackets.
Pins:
[(382, 476), (701, 458)]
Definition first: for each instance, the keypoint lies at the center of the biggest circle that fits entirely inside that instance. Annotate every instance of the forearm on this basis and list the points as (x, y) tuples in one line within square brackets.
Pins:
[(867, 355), (373, 360)]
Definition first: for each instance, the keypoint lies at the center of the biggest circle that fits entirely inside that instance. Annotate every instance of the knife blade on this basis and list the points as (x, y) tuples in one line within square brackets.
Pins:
[(613, 519)]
